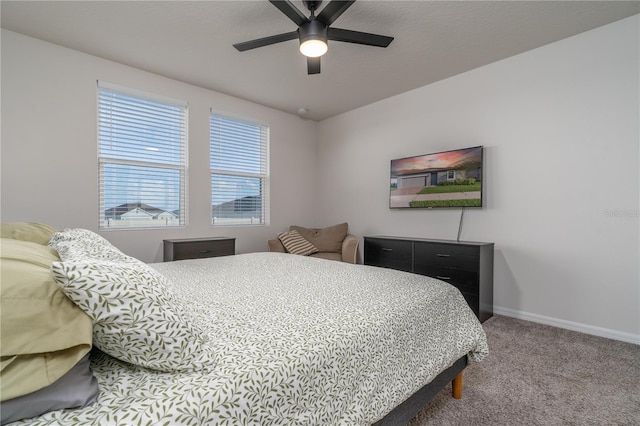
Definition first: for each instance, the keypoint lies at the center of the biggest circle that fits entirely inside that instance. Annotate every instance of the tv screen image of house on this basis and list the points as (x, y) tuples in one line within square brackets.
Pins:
[(442, 179)]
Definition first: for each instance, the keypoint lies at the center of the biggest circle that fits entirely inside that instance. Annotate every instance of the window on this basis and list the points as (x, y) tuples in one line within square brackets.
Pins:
[(239, 172), (451, 174), (142, 160)]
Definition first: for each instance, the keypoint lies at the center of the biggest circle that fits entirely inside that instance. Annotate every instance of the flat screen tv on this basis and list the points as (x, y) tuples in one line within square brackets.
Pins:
[(442, 179)]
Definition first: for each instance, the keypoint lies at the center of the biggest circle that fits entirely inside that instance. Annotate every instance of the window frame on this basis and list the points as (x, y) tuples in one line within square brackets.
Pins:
[(104, 224), (263, 175)]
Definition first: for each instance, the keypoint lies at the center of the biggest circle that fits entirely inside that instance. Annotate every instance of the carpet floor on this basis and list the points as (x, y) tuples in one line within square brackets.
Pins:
[(541, 375)]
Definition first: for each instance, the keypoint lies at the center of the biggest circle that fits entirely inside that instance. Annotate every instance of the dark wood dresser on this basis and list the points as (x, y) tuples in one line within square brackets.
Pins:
[(197, 248), (466, 265)]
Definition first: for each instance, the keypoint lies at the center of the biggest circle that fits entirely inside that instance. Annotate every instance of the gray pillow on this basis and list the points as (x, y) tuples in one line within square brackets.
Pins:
[(76, 389)]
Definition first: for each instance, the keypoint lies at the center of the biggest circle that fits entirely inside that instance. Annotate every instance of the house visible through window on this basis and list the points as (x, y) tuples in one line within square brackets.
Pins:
[(239, 172), (142, 143)]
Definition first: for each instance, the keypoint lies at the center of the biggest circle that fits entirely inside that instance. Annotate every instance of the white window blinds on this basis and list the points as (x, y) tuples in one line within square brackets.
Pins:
[(142, 159), (239, 172)]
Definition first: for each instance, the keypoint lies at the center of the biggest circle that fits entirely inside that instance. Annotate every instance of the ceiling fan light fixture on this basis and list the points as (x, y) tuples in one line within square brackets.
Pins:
[(314, 32), (313, 39), (313, 47)]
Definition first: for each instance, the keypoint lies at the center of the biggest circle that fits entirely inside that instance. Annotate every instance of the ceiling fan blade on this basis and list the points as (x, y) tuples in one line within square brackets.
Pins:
[(266, 41), (286, 7), (313, 65), (350, 36), (333, 10)]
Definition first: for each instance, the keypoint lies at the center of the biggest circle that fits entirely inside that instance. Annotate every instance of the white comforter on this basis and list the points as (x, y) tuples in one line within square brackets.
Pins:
[(297, 341)]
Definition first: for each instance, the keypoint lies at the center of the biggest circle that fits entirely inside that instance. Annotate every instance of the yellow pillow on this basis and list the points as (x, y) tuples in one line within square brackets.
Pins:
[(27, 231), (43, 333)]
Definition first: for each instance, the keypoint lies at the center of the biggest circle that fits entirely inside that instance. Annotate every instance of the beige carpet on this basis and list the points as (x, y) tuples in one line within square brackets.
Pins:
[(542, 375)]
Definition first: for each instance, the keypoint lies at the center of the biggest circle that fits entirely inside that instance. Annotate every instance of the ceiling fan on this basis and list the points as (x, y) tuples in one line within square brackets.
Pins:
[(314, 31)]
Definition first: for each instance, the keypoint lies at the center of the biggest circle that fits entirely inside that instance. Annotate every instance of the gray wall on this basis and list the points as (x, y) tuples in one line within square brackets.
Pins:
[(560, 129)]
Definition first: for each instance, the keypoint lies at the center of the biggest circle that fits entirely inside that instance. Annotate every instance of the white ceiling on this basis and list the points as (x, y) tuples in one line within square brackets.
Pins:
[(191, 41)]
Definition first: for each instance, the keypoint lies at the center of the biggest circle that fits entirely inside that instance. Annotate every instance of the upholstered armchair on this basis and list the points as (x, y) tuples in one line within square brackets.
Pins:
[(333, 243)]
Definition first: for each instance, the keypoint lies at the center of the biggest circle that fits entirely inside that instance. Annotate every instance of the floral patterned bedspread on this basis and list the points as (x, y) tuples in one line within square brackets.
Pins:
[(296, 341)]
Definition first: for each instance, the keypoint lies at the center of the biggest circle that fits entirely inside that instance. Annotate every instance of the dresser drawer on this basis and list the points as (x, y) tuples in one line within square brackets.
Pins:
[(387, 253), (447, 255), (467, 265), (465, 281), (198, 248)]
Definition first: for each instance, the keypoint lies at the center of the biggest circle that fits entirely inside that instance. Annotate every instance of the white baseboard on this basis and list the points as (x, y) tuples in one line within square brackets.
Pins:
[(569, 325)]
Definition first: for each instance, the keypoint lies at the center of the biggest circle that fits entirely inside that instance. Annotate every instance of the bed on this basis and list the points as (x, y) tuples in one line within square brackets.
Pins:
[(256, 339)]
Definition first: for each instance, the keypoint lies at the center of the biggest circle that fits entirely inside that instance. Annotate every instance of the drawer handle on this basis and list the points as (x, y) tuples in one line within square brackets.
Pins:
[(205, 251), (442, 278), (386, 249), (442, 255)]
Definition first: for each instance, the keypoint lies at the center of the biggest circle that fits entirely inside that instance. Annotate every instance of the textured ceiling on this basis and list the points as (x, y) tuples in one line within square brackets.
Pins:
[(191, 41)]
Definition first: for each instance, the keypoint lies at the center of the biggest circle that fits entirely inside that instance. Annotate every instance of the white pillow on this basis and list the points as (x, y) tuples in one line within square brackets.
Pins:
[(78, 234), (81, 244), (136, 317)]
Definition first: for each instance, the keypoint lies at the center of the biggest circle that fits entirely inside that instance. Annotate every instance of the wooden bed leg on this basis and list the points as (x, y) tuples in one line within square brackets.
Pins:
[(457, 386)]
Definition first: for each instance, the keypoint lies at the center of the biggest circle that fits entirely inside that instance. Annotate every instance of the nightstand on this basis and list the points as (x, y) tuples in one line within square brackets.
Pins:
[(197, 248)]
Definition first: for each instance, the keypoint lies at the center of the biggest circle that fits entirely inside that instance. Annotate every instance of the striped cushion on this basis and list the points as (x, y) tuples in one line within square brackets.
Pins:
[(294, 243)]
